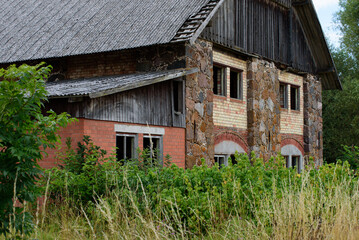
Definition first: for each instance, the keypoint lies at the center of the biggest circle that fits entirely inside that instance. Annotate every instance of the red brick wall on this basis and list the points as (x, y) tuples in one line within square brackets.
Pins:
[(103, 134)]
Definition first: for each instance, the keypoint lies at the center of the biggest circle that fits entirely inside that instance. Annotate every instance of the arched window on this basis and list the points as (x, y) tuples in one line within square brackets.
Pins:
[(225, 150), (293, 156)]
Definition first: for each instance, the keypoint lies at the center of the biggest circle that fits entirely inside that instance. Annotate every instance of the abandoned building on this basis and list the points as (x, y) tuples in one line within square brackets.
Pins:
[(201, 78)]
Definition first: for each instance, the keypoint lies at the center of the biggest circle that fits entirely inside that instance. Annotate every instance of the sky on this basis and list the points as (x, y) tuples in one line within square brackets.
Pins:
[(326, 10)]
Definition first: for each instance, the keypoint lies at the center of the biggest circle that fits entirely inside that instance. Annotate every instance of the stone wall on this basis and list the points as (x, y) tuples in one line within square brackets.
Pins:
[(199, 104), (313, 121), (263, 109)]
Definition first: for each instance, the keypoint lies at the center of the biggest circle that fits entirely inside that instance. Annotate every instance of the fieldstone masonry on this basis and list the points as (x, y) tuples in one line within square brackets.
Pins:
[(199, 104), (313, 121), (263, 109)]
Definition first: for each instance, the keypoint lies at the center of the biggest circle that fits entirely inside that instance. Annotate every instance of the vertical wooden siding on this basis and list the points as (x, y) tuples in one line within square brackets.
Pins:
[(151, 104), (262, 27)]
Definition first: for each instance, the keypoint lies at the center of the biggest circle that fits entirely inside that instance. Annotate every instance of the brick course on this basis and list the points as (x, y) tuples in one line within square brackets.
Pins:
[(291, 121), (229, 112)]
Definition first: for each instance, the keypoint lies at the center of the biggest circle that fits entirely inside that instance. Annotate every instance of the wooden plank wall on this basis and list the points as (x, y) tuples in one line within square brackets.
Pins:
[(151, 104), (262, 27)]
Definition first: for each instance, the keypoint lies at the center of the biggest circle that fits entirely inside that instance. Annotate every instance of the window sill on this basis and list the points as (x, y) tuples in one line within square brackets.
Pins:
[(295, 111), (236, 100), (220, 97), (284, 109)]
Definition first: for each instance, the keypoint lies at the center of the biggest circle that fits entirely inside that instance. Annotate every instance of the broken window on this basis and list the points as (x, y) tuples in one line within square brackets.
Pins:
[(283, 95), (236, 84), (220, 159), (219, 82), (152, 147), (125, 147), (178, 97), (294, 98)]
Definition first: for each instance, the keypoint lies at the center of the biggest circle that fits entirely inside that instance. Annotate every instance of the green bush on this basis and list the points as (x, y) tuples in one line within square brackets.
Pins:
[(25, 132)]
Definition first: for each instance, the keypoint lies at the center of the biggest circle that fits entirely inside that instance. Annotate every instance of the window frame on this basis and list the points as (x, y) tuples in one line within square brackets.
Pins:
[(160, 140), (239, 90), (223, 81), (285, 96), (180, 92), (134, 147), (296, 106)]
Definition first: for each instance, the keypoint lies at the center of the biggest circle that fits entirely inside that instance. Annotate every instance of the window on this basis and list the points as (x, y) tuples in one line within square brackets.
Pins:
[(294, 98), (220, 159), (219, 82), (236, 85), (125, 147), (293, 162), (178, 97), (283, 95), (153, 145)]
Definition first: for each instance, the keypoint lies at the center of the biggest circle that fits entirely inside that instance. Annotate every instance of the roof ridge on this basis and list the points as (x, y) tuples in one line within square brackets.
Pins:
[(194, 22)]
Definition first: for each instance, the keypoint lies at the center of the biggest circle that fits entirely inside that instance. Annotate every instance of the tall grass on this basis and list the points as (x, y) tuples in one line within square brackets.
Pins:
[(318, 204)]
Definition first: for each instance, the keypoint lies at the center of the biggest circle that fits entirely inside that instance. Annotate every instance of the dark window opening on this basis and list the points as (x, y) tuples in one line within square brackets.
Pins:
[(293, 162), (220, 159), (125, 147), (294, 98), (219, 83), (233, 159), (178, 97), (153, 147), (283, 96), (236, 85)]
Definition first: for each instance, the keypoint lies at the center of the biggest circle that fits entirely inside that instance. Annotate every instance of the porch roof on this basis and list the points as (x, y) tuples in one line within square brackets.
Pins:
[(106, 85)]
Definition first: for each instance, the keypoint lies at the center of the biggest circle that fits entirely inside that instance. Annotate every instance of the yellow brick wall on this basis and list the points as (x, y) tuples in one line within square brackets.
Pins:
[(229, 112), (291, 122)]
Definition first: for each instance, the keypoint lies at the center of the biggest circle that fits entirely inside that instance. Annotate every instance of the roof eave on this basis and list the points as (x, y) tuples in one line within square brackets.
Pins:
[(317, 43)]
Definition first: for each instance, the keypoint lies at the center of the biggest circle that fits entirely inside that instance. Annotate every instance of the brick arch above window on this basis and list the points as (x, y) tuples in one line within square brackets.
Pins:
[(231, 138), (294, 142)]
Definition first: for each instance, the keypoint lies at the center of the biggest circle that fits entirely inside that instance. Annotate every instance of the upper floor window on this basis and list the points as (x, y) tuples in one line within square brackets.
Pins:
[(219, 81), (236, 85), (294, 98), (283, 95), (178, 101)]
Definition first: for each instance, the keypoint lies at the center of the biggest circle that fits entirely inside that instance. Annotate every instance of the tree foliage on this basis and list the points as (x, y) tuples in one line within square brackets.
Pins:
[(25, 132), (341, 108)]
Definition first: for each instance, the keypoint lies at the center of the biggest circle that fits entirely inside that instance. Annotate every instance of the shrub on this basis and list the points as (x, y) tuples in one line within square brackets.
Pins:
[(24, 135)]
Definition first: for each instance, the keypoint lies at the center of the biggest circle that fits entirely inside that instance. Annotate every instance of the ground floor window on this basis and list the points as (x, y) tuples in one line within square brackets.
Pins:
[(293, 162), (293, 157), (152, 146), (220, 159), (126, 147)]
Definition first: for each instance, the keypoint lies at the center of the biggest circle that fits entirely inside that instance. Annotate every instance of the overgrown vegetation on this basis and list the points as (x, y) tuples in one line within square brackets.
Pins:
[(24, 135), (249, 200)]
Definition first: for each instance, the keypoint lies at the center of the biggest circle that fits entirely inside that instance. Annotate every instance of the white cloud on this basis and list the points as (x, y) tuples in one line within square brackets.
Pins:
[(324, 3)]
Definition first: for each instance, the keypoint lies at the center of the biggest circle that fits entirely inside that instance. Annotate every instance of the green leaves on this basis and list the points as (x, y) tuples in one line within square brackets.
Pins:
[(24, 130)]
